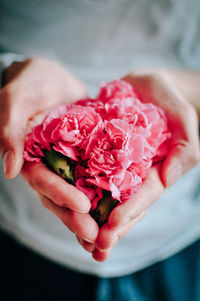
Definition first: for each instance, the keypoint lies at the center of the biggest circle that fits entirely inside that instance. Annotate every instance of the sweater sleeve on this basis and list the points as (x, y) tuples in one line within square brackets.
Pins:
[(6, 59)]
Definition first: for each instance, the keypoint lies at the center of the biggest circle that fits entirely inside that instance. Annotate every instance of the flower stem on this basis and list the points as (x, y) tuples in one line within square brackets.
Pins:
[(103, 209), (60, 164), (64, 167)]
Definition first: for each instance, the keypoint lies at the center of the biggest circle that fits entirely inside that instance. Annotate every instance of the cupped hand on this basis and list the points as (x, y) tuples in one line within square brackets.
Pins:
[(184, 154), (32, 88)]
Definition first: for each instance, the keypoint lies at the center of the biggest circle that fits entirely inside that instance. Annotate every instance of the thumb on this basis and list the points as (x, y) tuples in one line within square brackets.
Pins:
[(185, 149), (12, 125), (181, 158), (12, 146)]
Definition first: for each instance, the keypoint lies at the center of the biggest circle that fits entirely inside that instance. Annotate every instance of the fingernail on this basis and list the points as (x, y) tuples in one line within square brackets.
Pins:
[(87, 246), (88, 240), (7, 160), (104, 250), (80, 211), (80, 240), (174, 173), (115, 240), (86, 206)]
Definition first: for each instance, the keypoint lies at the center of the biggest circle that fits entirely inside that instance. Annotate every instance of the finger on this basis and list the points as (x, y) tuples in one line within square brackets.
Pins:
[(183, 121), (101, 255), (81, 224), (88, 246), (11, 134), (107, 239), (184, 151), (149, 192), (108, 236), (12, 148), (46, 182)]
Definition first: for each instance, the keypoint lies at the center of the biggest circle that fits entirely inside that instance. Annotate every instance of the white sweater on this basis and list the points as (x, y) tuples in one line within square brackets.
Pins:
[(100, 41)]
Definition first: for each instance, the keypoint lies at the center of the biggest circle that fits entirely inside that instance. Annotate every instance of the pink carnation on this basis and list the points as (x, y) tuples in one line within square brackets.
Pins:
[(66, 129), (114, 140), (119, 89)]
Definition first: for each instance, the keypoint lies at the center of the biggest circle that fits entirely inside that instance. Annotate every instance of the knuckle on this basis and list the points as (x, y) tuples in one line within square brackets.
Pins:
[(9, 109), (51, 183), (195, 158), (46, 185), (81, 91), (5, 133), (45, 203), (153, 79), (115, 219), (110, 241), (65, 217), (143, 214), (105, 244), (191, 154), (131, 218), (36, 183), (8, 93), (116, 238), (71, 215), (5, 93), (34, 180), (187, 113), (184, 107), (13, 94), (188, 110)]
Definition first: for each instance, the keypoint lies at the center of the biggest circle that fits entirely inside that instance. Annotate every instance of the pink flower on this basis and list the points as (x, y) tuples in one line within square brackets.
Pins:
[(110, 152), (98, 105), (116, 89), (66, 129), (93, 192), (33, 151), (114, 140)]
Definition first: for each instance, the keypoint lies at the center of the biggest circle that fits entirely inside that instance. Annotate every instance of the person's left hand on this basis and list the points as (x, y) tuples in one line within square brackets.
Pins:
[(184, 155)]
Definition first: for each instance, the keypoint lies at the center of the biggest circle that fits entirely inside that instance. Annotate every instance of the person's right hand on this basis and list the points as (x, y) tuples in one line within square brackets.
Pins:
[(32, 88)]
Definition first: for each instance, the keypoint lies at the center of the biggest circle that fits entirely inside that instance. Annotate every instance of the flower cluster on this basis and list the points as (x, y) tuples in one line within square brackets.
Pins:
[(113, 140)]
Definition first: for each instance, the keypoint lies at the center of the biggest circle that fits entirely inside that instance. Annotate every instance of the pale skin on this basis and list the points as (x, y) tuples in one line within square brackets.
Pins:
[(35, 86)]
